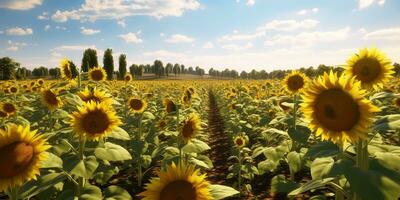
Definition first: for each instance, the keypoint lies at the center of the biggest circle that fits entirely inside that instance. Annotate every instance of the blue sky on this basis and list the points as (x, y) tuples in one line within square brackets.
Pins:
[(236, 34)]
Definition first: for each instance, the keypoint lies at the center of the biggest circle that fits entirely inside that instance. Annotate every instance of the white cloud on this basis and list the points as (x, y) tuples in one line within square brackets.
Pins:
[(241, 37), (163, 54), (289, 25), (362, 4), (250, 2), (306, 39), (162, 34), (11, 43), (121, 23), (306, 11), (47, 27), (179, 38), (384, 34), (131, 38), (20, 4), (73, 47), (19, 31), (61, 28), (235, 47), (208, 45), (43, 16), (92, 10), (88, 31), (12, 48)]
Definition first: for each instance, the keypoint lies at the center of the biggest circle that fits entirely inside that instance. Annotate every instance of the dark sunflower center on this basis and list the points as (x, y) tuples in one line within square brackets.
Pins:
[(136, 104), (50, 98), (336, 110), (367, 69), (95, 122), (239, 142), (178, 190), (13, 89), (171, 107), (40, 82), (97, 75), (188, 129), (295, 82), (15, 158), (398, 102), (9, 108), (67, 72), (127, 78)]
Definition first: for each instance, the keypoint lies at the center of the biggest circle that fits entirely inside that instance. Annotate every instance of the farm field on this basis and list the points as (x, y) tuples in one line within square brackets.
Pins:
[(323, 137)]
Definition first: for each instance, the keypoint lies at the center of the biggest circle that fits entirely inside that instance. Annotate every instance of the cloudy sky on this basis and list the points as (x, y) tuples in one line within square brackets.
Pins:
[(238, 34)]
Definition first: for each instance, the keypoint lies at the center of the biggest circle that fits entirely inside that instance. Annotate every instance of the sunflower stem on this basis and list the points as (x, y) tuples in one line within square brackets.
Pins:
[(240, 172), (81, 180), (361, 159), (13, 193), (140, 173)]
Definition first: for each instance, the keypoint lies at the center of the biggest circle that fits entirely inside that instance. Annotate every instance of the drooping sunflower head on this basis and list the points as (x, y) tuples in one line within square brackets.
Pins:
[(137, 105), (65, 68), (94, 120), (9, 108), (50, 99), (169, 105), (190, 127), (295, 81), (128, 77), (22, 152), (371, 67), (14, 90), (95, 95), (336, 108), (178, 182), (239, 141), (97, 74)]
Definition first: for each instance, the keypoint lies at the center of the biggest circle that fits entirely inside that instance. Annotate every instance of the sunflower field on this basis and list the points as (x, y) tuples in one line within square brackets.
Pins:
[(335, 136)]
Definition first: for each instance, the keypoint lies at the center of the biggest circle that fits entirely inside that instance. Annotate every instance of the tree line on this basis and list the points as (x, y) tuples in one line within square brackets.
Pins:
[(10, 69)]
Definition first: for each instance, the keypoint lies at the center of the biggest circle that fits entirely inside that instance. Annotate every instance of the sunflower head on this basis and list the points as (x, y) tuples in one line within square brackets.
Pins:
[(128, 77), (190, 127), (137, 105), (94, 120), (65, 68), (336, 108), (50, 99), (295, 81), (40, 81), (22, 153), (97, 74), (14, 90), (9, 108), (6, 90), (95, 95), (178, 182), (169, 105), (371, 67), (239, 141)]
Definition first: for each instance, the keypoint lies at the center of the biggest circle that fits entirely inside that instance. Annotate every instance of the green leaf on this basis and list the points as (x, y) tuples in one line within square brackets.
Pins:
[(267, 166), (119, 134), (300, 134), (221, 191), (34, 187), (82, 168), (311, 185), (116, 193), (322, 149), (52, 161), (294, 161), (321, 167), (148, 115), (195, 146), (112, 152), (279, 184), (91, 192), (199, 162), (60, 114), (388, 122)]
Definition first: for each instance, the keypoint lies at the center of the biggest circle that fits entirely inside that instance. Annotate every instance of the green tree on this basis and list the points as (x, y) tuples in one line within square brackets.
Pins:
[(168, 69), (74, 70), (89, 60), (122, 66), (158, 68), (108, 63), (8, 68), (55, 72)]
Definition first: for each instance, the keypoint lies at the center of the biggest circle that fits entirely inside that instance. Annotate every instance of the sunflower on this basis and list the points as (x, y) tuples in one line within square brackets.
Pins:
[(97, 74), (96, 95), (295, 81), (336, 108), (178, 182), (191, 126), (14, 89), (50, 99), (22, 152), (371, 67), (40, 82), (6, 90), (9, 108), (128, 77), (65, 68), (169, 105), (239, 141), (137, 105), (94, 120)]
